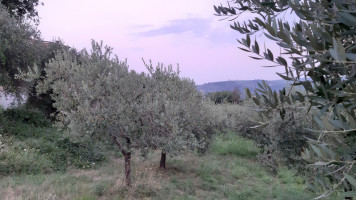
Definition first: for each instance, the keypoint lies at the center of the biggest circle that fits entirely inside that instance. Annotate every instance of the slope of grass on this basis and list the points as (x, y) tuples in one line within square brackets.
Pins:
[(229, 171)]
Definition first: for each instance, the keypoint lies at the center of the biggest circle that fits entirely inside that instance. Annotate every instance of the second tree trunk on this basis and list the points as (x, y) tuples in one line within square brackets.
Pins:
[(162, 164)]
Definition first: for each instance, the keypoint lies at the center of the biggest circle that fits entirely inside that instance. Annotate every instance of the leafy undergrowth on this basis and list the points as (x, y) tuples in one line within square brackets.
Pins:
[(229, 171), (29, 144)]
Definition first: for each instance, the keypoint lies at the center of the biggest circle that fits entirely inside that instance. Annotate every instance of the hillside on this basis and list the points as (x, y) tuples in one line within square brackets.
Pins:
[(241, 84)]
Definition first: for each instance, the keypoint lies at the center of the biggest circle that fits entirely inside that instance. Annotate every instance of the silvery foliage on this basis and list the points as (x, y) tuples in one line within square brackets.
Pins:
[(97, 95), (182, 122), (319, 53), (94, 94)]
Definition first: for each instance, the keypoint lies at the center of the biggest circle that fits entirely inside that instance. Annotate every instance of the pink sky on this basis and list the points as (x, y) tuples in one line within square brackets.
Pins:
[(184, 32)]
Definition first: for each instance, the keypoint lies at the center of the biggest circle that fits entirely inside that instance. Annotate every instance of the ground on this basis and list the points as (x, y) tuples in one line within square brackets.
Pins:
[(229, 170)]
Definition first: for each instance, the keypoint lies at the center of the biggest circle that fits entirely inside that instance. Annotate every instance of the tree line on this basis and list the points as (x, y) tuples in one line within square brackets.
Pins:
[(225, 96)]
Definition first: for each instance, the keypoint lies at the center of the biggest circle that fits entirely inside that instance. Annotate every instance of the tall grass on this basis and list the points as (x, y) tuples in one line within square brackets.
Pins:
[(233, 144)]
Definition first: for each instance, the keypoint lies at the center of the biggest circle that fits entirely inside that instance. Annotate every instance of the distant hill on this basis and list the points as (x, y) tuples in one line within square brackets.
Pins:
[(230, 85)]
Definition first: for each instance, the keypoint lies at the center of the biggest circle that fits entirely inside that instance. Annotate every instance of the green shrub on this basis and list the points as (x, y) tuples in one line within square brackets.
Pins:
[(37, 147), (81, 154), (33, 117), (24, 161)]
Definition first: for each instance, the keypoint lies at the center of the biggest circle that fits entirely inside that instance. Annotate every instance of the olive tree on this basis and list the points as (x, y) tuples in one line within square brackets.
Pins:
[(181, 120), (319, 53), (97, 96)]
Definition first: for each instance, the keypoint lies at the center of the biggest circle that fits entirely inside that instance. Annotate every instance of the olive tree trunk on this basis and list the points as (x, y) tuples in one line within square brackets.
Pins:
[(162, 163), (127, 156)]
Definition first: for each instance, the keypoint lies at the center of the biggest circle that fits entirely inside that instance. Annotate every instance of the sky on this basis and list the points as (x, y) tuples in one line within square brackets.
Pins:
[(183, 32)]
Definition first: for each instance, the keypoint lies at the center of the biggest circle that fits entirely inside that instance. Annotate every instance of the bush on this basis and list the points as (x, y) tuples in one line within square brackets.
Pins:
[(37, 147), (24, 161), (26, 116), (81, 154)]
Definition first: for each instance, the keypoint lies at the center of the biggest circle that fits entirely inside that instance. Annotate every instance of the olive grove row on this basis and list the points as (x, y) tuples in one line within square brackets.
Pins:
[(97, 96)]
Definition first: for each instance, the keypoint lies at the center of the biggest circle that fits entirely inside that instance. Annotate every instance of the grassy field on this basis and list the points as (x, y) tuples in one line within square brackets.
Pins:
[(228, 171)]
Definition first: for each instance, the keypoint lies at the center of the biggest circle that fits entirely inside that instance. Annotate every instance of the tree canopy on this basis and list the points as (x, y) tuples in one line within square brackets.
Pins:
[(21, 47), (21, 9), (17, 46)]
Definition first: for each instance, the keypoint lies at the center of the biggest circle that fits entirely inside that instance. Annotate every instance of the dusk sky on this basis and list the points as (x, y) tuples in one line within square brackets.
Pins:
[(184, 32)]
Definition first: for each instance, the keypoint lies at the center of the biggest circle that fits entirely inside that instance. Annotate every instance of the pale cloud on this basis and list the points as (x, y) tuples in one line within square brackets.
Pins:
[(198, 27)]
